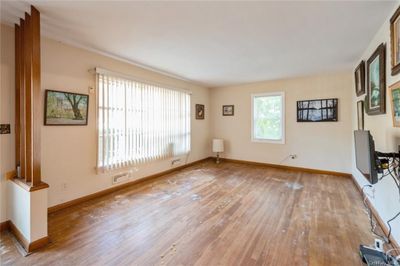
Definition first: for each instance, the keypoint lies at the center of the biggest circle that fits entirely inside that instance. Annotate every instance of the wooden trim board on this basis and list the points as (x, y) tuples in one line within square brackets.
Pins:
[(286, 167), (377, 217), (119, 187), (28, 186), (28, 246), (4, 226)]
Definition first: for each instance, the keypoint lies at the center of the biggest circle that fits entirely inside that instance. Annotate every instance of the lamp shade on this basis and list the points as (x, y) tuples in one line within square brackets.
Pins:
[(218, 145)]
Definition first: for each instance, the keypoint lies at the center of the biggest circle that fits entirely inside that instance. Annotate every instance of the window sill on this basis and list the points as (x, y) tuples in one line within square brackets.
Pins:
[(268, 141)]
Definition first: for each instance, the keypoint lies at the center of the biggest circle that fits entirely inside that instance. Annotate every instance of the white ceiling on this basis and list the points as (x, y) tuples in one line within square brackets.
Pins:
[(216, 43)]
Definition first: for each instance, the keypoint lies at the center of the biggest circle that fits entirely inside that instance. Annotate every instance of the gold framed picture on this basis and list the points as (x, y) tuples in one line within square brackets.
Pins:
[(394, 91), (376, 81), (395, 41)]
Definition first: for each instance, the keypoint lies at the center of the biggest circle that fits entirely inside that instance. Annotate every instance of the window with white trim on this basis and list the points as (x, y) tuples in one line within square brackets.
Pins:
[(140, 122), (268, 117)]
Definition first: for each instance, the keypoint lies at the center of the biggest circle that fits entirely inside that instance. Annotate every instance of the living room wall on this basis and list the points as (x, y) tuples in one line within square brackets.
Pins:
[(69, 152), (323, 145), (386, 198)]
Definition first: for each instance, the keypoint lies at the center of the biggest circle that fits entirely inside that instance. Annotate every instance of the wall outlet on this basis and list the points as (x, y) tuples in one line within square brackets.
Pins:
[(378, 244), (64, 186)]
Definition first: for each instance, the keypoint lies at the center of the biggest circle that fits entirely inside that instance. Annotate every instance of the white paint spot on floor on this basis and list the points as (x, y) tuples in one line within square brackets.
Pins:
[(294, 186), (195, 197)]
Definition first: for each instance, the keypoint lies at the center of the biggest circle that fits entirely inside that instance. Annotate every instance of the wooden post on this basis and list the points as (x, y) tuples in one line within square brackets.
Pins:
[(21, 62), (36, 95), (28, 98), (17, 95)]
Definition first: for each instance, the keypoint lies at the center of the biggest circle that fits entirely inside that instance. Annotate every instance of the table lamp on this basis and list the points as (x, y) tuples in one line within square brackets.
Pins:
[(218, 146)]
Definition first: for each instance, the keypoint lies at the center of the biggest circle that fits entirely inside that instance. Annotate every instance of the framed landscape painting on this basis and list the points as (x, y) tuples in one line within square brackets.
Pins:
[(65, 108), (394, 91), (359, 77), (322, 110), (395, 41), (376, 81), (228, 110)]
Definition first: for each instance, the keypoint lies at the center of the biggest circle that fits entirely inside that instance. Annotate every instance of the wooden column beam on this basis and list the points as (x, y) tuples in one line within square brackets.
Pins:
[(36, 95), (17, 95), (22, 90), (28, 98)]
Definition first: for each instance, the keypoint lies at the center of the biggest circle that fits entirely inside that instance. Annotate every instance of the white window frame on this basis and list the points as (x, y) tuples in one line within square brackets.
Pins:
[(266, 94)]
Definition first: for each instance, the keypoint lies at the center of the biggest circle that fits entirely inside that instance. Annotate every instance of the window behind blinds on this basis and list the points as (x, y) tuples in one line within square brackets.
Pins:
[(140, 122)]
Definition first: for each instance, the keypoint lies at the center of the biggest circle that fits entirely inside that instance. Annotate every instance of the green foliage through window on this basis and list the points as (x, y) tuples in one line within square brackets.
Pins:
[(267, 115)]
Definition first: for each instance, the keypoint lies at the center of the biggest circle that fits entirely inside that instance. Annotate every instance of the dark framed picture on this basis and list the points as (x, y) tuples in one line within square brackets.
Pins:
[(320, 110), (376, 81), (394, 91), (395, 41), (360, 115), (65, 108), (228, 110), (359, 77), (199, 111)]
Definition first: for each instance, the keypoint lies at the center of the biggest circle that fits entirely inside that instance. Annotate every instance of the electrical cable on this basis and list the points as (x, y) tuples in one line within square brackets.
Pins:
[(369, 213), (390, 227), (396, 178)]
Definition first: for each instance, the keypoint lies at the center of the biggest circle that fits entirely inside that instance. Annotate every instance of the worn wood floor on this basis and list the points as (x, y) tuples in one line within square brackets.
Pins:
[(208, 214)]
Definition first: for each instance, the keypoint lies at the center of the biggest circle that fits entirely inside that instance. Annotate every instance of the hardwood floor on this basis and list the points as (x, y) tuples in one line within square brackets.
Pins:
[(208, 214)]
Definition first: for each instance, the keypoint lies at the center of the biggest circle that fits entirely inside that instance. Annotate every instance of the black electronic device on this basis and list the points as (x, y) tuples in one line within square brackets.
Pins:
[(366, 159), (372, 256)]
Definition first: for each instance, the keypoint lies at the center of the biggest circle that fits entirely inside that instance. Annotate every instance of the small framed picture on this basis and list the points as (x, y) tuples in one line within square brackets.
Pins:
[(228, 110), (359, 77), (65, 108), (376, 81), (394, 91), (395, 41), (200, 111), (360, 115)]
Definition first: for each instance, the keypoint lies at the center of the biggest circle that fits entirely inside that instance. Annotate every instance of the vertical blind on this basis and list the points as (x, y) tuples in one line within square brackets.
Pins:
[(139, 122)]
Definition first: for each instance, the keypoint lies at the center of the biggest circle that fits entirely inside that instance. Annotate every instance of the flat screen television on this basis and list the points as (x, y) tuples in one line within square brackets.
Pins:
[(365, 155)]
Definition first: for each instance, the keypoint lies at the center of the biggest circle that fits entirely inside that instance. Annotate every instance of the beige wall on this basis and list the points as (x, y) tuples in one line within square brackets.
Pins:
[(387, 138), (317, 145), (7, 142), (69, 152)]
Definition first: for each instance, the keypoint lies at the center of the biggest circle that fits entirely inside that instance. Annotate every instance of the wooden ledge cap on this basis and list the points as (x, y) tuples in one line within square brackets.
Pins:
[(28, 185)]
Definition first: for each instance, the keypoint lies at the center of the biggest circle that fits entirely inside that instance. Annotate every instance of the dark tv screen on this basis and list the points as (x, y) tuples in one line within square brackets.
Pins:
[(365, 155)]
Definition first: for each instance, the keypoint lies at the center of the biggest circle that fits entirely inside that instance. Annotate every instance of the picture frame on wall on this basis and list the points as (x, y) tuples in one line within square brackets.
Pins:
[(360, 115), (63, 108), (376, 81), (394, 91), (359, 77), (228, 110), (319, 110), (199, 111), (395, 41)]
